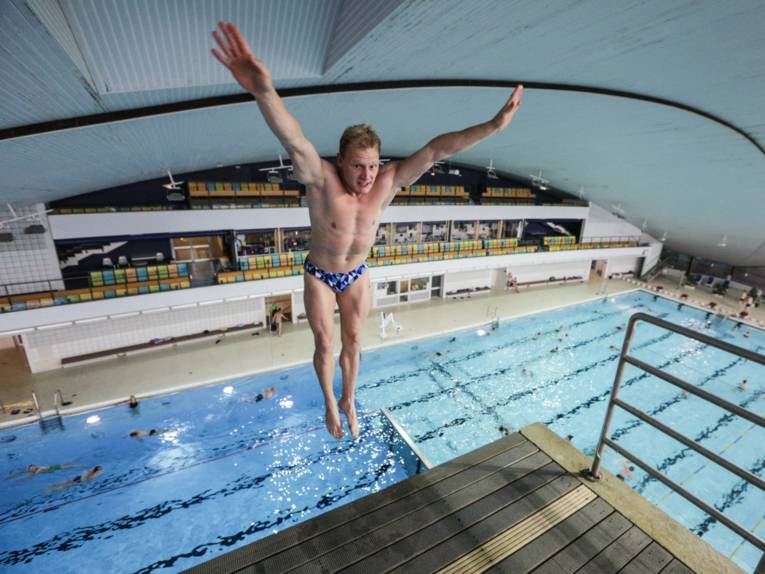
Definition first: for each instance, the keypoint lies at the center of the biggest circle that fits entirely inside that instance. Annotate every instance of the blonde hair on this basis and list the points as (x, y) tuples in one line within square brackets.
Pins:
[(361, 135)]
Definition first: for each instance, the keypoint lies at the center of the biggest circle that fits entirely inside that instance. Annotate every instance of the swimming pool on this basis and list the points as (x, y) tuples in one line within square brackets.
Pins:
[(275, 464), (223, 470)]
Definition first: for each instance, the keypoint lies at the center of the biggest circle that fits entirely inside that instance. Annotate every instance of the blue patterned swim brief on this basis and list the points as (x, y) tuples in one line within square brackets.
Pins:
[(338, 282)]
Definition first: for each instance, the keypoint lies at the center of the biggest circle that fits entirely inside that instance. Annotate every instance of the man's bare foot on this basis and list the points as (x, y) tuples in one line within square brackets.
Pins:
[(350, 413), (334, 425)]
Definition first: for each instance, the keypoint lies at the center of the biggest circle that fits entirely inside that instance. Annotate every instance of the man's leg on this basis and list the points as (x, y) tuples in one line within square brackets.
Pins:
[(320, 310), (354, 305)]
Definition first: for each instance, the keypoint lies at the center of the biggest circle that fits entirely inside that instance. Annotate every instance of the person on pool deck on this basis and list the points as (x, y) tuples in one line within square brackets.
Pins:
[(345, 202)]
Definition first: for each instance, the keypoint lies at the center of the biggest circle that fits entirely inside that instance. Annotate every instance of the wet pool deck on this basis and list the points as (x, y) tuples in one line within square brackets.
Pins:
[(516, 505)]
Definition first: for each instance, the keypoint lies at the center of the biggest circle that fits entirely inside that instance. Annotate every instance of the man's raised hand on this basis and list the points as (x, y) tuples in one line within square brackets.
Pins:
[(505, 115), (236, 55)]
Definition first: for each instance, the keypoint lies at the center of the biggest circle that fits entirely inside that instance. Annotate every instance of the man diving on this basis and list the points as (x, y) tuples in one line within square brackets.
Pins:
[(345, 202)]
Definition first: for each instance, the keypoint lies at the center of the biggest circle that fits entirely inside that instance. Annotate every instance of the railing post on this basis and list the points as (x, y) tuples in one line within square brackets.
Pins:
[(37, 406), (594, 471)]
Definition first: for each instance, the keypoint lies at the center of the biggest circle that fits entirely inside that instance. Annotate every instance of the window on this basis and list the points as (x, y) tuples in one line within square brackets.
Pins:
[(462, 230), (298, 239), (434, 231), (406, 233)]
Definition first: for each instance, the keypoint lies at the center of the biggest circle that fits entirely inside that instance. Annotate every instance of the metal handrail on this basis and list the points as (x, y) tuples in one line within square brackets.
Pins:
[(58, 400), (37, 406), (626, 358)]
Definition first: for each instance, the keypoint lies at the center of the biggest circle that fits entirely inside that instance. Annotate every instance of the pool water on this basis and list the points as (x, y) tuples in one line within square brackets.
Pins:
[(222, 471), (225, 471), (459, 389)]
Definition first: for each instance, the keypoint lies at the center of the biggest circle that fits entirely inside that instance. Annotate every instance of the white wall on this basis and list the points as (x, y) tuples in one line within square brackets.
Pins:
[(298, 305), (542, 272), (28, 260), (46, 348), (468, 280), (116, 224), (601, 223), (623, 265)]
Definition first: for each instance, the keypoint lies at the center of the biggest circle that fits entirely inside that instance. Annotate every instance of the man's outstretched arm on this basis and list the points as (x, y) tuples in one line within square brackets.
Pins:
[(255, 77), (409, 170)]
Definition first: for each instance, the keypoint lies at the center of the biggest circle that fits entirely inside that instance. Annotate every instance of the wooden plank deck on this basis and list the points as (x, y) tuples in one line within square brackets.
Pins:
[(505, 507)]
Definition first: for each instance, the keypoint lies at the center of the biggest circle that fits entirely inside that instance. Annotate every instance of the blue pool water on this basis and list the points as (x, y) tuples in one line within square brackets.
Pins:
[(226, 472), (221, 473)]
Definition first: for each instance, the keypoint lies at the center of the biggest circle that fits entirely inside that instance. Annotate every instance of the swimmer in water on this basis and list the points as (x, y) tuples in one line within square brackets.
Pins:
[(84, 477), (143, 433), (626, 472), (267, 394)]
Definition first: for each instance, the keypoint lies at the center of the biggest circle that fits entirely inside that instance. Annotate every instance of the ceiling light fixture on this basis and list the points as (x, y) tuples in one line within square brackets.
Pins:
[(175, 193), (663, 237), (491, 173), (173, 185), (35, 227), (273, 175), (539, 182), (723, 241)]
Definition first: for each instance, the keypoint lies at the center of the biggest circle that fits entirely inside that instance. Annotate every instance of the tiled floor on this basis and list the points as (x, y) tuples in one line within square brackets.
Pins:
[(204, 362)]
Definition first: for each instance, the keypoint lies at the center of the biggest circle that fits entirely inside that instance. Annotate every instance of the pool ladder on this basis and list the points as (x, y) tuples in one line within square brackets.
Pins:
[(615, 401), (54, 422)]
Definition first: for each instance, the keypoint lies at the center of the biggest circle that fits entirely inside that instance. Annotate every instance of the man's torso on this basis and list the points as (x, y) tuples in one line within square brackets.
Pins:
[(343, 226)]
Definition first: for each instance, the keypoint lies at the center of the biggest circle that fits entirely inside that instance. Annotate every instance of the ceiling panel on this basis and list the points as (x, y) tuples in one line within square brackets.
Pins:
[(39, 81), (145, 45)]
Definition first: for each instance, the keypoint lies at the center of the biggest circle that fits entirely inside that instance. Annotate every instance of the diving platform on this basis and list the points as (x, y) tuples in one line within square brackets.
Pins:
[(520, 504)]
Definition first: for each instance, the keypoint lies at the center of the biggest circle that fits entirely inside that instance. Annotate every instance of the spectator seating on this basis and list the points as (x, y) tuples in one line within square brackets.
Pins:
[(512, 195), (241, 194), (110, 283), (564, 243), (608, 244), (95, 293), (428, 194), (138, 274)]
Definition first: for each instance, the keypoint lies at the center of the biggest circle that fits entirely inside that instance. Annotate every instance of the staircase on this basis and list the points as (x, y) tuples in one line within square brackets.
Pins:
[(73, 255), (656, 269)]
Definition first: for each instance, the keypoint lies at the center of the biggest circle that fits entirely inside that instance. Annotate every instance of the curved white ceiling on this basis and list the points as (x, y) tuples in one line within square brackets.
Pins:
[(681, 172)]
